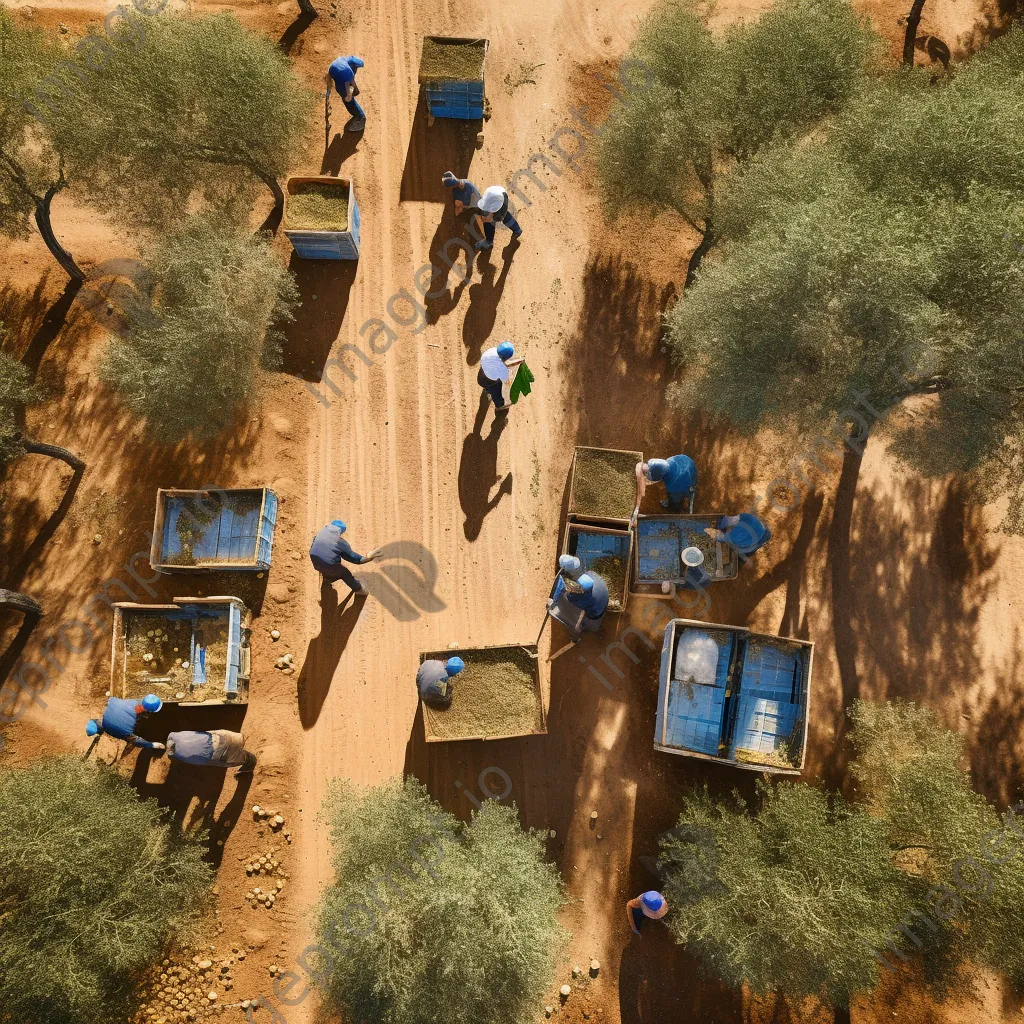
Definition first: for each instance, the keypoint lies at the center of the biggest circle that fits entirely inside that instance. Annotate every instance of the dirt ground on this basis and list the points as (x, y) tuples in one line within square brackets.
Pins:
[(469, 513)]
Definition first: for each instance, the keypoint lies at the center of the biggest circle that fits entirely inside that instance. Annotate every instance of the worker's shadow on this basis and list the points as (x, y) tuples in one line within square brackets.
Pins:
[(478, 471), (484, 297), (342, 146), (338, 620), (449, 240), (404, 579)]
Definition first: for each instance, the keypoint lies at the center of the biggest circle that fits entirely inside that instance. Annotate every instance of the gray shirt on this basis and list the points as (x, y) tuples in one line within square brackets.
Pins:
[(433, 683)]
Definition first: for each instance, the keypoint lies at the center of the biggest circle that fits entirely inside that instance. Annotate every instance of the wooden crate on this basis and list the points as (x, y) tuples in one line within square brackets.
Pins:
[(725, 568), (579, 513), (461, 99), (616, 602), (232, 543), (324, 245), (466, 653), (735, 679), (185, 620)]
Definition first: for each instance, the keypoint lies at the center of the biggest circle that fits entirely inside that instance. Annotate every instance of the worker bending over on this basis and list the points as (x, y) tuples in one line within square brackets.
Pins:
[(494, 372), (218, 748), (649, 905), (678, 474), (583, 590), (434, 681), (329, 549), (466, 197), (342, 73), (496, 208), (744, 533), (120, 717)]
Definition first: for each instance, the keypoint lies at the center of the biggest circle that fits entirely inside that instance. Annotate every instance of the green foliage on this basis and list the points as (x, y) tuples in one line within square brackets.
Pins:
[(910, 771), (793, 897), (16, 390), (94, 885), (713, 102), (192, 358), (430, 919), (180, 112), (24, 58), (884, 257)]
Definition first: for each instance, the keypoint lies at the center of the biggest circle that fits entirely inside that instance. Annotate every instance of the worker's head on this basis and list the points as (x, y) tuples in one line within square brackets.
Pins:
[(493, 199), (152, 703), (587, 583), (339, 524), (569, 565), (506, 351), (93, 728), (645, 468), (653, 901), (453, 666), (449, 180), (356, 62)]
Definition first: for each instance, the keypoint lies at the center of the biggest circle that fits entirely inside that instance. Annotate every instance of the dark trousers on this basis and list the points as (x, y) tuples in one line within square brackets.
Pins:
[(354, 109), (508, 220), (675, 500), (638, 917), (339, 572), (492, 387)]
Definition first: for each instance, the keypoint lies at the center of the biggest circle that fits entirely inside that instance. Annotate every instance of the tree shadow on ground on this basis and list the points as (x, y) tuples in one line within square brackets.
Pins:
[(478, 470), (294, 30), (324, 290), (484, 297), (338, 619), (446, 145)]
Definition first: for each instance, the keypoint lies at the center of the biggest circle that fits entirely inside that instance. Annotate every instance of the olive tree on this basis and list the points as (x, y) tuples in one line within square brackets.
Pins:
[(790, 897), (433, 919), (95, 884), (31, 174), (712, 101), (181, 112), (192, 355)]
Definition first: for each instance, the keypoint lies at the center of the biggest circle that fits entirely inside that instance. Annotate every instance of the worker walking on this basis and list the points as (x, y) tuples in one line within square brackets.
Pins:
[(678, 474), (329, 549), (434, 681), (342, 73), (496, 208), (120, 717), (745, 533), (466, 196), (494, 372), (218, 748), (650, 905)]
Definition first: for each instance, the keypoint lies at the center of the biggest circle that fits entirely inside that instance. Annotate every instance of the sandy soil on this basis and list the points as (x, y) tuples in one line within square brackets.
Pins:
[(469, 513)]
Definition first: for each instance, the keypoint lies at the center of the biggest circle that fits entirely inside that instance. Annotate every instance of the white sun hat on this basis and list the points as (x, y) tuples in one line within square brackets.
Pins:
[(492, 199)]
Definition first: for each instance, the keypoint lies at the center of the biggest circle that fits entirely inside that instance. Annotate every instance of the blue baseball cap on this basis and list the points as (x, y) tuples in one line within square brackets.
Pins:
[(356, 62), (653, 901), (506, 350), (339, 524), (587, 583), (92, 727), (454, 666), (449, 180), (569, 563), (151, 702)]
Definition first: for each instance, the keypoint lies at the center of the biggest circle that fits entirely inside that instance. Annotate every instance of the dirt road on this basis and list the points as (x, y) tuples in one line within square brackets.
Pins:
[(469, 512)]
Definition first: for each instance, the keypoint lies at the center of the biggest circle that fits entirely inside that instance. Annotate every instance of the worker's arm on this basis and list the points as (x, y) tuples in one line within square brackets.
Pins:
[(140, 742), (372, 555), (516, 362), (641, 481), (632, 905), (478, 223), (350, 91)]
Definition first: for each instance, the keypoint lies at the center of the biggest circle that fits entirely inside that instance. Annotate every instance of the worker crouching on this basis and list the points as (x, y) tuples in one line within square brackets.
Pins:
[(583, 590), (434, 681), (217, 748)]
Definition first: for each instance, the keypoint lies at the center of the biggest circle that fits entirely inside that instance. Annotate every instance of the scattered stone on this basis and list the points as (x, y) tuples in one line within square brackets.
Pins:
[(595, 968), (96, 538), (275, 634), (548, 1010), (577, 971), (565, 991)]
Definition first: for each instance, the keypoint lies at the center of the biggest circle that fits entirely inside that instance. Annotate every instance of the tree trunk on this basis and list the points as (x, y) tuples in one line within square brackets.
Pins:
[(273, 221), (60, 254), (910, 37), (307, 9), (31, 612), (707, 240)]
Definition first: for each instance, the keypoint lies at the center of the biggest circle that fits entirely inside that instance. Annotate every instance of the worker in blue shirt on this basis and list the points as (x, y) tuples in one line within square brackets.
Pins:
[(329, 549), (589, 593), (678, 474), (342, 73), (120, 717), (744, 533), (466, 196)]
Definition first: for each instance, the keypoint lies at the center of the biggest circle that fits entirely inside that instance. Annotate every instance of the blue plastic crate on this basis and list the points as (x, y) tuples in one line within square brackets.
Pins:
[(461, 100), (326, 245)]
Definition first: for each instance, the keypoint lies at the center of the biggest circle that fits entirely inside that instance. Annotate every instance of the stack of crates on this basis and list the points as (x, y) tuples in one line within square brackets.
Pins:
[(463, 100)]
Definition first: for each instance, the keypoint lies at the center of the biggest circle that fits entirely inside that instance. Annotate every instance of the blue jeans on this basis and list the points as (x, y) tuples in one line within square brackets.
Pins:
[(354, 109), (509, 221)]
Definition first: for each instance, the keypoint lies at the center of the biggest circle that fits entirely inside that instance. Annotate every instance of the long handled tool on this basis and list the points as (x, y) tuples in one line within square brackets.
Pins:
[(327, 119)]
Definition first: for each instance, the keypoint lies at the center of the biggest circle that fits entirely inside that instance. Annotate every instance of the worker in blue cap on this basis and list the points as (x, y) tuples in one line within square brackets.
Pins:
[(649, 905), (434, 681), (678, 474), (494, 372), (120, 717), (583, 590), (342, 73), (744, 533), (329, 549), (466, 196)]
